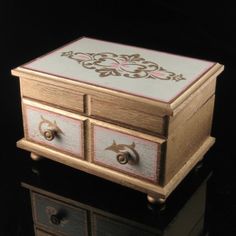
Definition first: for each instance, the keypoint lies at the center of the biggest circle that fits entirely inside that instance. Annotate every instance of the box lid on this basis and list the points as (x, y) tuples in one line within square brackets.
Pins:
[(138, 72)]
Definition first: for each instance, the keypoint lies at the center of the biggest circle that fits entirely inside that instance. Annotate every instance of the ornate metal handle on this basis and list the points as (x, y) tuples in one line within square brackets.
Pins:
[(55, 219), (125, 157), (49, 134), (49, 129), (125, 154)]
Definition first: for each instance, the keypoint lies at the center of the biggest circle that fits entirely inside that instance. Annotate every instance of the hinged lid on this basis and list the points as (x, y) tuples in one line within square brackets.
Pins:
[(138, 72)]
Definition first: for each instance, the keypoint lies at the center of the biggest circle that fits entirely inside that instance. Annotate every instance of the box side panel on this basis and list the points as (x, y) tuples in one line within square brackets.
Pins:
[(187, 138)]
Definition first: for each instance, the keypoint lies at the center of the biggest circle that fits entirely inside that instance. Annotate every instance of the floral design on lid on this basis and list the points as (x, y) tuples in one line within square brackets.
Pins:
[(130, 66)]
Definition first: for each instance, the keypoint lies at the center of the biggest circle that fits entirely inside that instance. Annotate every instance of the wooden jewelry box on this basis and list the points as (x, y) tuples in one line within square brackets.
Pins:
[(138, 117)]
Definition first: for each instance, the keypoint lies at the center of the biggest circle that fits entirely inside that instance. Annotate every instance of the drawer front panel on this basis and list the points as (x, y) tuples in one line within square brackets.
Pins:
[(104, 226), (125, 152), (59, 217), (54, 130), (51, 94), (129, 114)]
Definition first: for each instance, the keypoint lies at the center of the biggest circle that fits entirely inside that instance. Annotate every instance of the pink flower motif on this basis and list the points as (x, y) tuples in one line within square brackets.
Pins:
[(119, 65), (158, 74), (124, 64), (85, 57), (115, 65)]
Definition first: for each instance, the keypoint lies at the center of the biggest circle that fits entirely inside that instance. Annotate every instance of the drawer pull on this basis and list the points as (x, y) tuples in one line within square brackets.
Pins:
[(123, 158), (55, 219), (49, 129), (49, 134)]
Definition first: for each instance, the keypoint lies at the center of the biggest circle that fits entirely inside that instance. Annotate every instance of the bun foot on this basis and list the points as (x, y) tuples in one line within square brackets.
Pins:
[(35, 156), (155, 200)]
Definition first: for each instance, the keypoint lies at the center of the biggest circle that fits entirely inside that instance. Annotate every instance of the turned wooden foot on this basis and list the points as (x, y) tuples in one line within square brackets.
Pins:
[(155, 200), (35, 156)]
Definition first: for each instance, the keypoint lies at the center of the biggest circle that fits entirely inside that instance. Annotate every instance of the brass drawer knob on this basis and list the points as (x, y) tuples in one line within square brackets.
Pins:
[(49, 129), (58, 218), (123, 157), (49, 134), (55, 219)]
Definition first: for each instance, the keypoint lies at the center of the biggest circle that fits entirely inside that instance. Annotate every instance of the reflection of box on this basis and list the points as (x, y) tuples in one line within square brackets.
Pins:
[(134, 116), (72, 214)]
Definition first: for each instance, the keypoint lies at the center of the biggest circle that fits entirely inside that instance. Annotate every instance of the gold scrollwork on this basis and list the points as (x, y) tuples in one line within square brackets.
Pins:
[(125, 153), (44, 123), (129, 66)]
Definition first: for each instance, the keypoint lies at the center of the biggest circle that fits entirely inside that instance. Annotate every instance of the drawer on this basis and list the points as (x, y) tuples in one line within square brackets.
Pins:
[(51, 94), (104, 226), (53, 129), (140, 116), (58, 217), (126, 150)]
